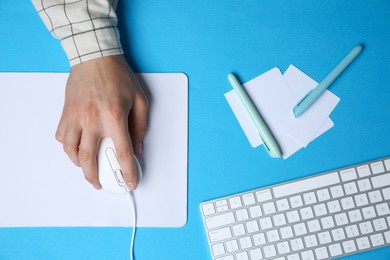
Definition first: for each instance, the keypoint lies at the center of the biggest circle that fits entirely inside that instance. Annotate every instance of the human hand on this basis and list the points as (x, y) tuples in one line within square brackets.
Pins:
[(103, 98)]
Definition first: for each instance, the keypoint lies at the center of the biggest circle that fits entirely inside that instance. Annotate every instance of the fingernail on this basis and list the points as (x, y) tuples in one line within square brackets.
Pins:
[(130, 186)]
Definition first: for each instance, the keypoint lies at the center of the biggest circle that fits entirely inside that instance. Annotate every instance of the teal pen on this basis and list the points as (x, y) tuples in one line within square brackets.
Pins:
[(264, 132), (313, 95)]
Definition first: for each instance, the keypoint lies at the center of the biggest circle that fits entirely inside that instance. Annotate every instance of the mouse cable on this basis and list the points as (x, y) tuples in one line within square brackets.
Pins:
[(134, 226)]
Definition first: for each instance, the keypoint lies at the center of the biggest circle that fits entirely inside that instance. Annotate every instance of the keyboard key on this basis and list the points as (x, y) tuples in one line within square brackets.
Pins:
[(337, 191), (252, 226), (221, 203), (377, 240), (259, 239), (222, 208), (242, 215), (306, 213), (335, 249), (245, 242), (269, 251), (255, 211), (282, 205), (296, 201), (312, 183), (279, 220), (382, 209), (218, 249), (293, 216), (379, 224), (208, 209), (347, 203), (323, 195), (387, 236), (341, 219), (362, 243), (363, 171), (220, 220), (352, 231), (300, 229), (265, 223), (355, 215), (272, 236), (386, 193), (269, 208), (309, 198), (349, 246), (263, 195), (235, 202), (361, 200), (366, 227), (327, 222), (338, 234), (381, 180), (364, 185), (293, 257), (321, 253), (387, 163), (256, 254), (350, 188), (324, 237), (307, 255), (375, 196), (238, 230), (313, 225), (228, 257), (368, 212), (334, 206), (286, 232), (283, 248), (310, 241), (242, 256), (248, 199), (377, 167), (296, 244), (220, 234), (348, 174), (320, 210), (231, 246)]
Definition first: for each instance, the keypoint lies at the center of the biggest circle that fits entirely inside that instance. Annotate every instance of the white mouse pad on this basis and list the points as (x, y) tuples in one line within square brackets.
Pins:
[(39, 186)]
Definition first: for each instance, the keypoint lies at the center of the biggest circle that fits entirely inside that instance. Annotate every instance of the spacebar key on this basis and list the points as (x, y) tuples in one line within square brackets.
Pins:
[(306, 184), (220, 220)]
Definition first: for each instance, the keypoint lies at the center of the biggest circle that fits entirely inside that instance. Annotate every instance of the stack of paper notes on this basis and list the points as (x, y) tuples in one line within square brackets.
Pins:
[(275, 95)]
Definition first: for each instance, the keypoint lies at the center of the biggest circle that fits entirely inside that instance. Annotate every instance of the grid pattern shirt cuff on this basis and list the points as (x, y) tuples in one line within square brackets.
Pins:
[(87, 29)]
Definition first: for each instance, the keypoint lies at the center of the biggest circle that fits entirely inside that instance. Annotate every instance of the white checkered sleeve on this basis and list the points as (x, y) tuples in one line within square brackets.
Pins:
[(87, 29)]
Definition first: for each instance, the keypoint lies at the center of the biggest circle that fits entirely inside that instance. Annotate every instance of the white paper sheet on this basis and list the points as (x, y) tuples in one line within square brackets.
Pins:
[(275, 95), (39, 186), (301, 84)]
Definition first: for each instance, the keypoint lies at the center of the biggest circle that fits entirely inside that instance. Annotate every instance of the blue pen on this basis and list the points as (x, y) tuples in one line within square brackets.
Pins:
[(265, 134), (313, 95)]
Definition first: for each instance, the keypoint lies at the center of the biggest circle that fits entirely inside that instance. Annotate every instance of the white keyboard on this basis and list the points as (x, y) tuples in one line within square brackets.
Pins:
[(328, 215)]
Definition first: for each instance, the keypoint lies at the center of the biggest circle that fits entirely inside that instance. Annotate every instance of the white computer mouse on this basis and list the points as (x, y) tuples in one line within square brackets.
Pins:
[(109, 170)]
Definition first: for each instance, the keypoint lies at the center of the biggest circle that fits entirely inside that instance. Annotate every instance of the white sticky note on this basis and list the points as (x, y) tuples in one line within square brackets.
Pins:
[(300, 84), (275, 95)]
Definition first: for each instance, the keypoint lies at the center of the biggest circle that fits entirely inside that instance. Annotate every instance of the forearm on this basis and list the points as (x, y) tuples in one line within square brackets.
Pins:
[(87, 29)]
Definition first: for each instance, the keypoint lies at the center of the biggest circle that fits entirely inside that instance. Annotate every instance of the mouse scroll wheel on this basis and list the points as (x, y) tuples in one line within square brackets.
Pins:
[(116, 169)]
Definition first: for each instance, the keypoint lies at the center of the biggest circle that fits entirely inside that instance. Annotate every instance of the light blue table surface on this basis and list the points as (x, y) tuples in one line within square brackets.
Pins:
[(207, 40)]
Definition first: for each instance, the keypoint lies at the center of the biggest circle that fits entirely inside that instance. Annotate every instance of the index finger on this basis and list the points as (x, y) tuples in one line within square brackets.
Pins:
[(125, 155)]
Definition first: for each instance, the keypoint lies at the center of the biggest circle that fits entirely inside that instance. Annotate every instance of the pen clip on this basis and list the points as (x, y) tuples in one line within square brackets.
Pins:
[(265, 144)]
